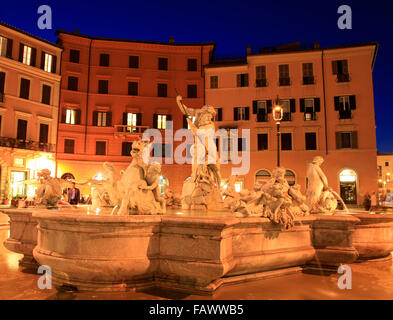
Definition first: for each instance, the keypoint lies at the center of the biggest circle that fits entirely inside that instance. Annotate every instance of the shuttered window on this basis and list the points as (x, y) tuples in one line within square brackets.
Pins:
[(242, 80), (133, 88), (101, 148), (104, 60), (213, 82), (346, 140), (284, 78), (2, 85), (263, 141), (260, 80), (286, 141), (162, 63), (192, 65), (46, 94), (24, 88), (311, 141), (162, 90), (44, 131), (241, 113), (69, 146), (22, 129)]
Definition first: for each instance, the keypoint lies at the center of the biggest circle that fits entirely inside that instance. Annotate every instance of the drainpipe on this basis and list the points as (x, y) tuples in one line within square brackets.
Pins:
[(58, 112), (87, 94), (203, 77), (324, 102)]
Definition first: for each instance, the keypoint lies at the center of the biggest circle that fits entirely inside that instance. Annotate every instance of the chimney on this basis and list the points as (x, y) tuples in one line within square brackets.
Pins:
[(171, 39), (248, 50), (316, 44), (76, 31)]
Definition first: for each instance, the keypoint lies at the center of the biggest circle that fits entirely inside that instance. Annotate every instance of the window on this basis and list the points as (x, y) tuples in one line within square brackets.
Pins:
[(162, 89), (213, 82), (27, 51), (262, 108), (288, 107), (24, 88), (284, 79), (46, 93), (311, 141), (192, 65), (290, 177), (74, 56), (73, 83), (260, 80), (126, 148), (69, 146), (100, 148), (161, 121), (48, 62), (340, 69), (286, 141), (192, 91), (104, 60), (218, 116), (132, 88), (242, 80), (134, 62), (132, 120), (262, 176), (21, 130), (386, 164), (3, 46), (44, 130), (263, 141), (70, 116), (241, 144), (162, 63), (344, 105), (347, 140), (103, 86), (162, 150), (102, 119), (309, 113), (308, 73), (2, 84), (241, 113)]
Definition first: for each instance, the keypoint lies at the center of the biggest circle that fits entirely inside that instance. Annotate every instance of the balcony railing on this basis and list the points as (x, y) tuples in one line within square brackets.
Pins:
[(130, 130), (310, 116), (26, 144), (343, 77), (345, 115)]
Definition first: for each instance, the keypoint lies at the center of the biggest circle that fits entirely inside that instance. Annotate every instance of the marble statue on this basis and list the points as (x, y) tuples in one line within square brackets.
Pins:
[(202, 191), (320, 198), (137, 188), (49, 192), (275, 200), (173, 200)]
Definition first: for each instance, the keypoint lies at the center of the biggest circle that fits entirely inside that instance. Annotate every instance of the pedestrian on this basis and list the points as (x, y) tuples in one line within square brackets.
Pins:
[(73, 195), (373, 201), (367, 202)]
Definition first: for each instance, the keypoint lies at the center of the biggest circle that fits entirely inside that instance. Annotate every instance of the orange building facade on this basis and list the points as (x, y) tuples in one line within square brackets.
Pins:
[(29, 100), (112, 90), (328, 103)]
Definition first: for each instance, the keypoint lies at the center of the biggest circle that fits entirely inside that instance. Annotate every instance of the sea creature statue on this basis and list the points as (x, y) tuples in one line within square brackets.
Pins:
[(138, 185), (173, 200), (202, 191), (49, 192), (275, 200), (320, 198)]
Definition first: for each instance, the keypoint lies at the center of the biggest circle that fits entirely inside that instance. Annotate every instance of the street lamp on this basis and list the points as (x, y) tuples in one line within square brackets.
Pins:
[(277, 116)]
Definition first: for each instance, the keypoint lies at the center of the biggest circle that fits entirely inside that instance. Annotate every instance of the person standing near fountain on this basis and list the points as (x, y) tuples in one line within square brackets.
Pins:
[(73, 195)]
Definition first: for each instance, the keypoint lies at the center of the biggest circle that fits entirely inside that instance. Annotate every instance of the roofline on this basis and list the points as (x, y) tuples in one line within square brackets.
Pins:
[(29, 34), (58, 32)]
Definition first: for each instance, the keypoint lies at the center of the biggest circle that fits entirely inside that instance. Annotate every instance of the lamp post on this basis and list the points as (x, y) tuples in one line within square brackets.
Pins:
[(277, 116)]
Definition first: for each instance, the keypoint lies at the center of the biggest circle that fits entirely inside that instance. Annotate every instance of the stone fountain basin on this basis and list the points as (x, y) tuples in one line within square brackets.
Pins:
[(190, 253)]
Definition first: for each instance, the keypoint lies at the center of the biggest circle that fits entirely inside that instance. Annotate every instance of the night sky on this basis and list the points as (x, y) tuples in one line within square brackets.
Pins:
[(233, 25)]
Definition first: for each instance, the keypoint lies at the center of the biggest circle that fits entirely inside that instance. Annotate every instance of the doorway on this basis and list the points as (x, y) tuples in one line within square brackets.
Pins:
[(348, 186)]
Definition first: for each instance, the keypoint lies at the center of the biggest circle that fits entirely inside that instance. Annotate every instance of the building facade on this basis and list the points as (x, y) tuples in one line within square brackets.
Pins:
[(328, 110), (385, 176), (29, 100), (113, 89)]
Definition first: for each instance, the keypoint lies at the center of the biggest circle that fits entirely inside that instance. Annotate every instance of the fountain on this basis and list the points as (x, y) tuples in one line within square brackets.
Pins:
[(128, 239)]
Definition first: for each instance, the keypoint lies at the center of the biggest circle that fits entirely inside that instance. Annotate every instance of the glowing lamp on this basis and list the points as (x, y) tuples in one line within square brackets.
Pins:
[(277, 111)]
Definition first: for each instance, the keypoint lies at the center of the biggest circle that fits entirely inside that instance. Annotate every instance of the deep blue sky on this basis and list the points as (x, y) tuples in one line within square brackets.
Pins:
[(233, 25)]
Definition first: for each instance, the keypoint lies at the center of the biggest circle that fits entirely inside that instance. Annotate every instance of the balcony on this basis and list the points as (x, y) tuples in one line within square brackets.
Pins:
[(262, 117), (344, 114), (310, 116), (287, 116), (124, 130), (308, 80), (284, 82), (343, 77), (26, 145), (260, 83)]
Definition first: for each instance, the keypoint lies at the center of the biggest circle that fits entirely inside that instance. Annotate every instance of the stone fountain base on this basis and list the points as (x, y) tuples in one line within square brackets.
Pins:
[(195, 254)]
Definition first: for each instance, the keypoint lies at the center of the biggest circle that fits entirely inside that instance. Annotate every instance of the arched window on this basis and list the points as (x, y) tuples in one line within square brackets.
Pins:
[(262, 176), (348, 186), (68, 176), (290, 177)]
